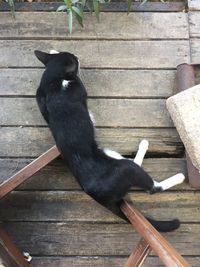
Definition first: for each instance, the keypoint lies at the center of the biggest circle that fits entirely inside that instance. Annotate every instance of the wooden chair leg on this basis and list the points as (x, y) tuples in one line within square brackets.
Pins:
[(167, 254), (28, 171), (139, 254), (9, 254)]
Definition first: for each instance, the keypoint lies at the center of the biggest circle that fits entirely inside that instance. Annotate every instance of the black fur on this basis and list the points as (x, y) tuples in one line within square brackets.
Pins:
[(106, 179)]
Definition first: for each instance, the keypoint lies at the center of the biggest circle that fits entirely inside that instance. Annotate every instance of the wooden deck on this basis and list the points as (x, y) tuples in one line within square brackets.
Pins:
[(128, 66)]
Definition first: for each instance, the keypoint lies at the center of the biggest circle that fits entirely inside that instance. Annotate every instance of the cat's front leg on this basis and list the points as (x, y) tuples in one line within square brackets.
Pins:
[(41, 100)]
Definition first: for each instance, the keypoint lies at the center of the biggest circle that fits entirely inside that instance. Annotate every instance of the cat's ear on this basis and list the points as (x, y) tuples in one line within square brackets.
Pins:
[(43, 57)]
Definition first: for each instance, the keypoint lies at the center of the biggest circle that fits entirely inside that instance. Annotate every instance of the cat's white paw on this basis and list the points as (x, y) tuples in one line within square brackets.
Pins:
[(179, 178), (53, 52), (144, 145)]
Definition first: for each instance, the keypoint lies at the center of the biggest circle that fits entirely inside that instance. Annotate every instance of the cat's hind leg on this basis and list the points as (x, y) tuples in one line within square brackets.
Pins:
[(169, 182), (158, 186), (143, 147)]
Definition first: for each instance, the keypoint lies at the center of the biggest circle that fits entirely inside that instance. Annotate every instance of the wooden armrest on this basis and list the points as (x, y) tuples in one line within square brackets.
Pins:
[(168, 255), (28, 171)]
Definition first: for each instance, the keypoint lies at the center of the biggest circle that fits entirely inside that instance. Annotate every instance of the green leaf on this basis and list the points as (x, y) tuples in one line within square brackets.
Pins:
[(70, 20), (61, 8), (12, 6), (143, 2), (78, 11), (68, 3), (129, 5), (79, 14), (96, 8)]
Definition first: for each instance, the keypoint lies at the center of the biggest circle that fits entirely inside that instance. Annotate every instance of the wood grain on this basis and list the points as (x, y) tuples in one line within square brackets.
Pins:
[(107, 112), (98, 82), (66, 206), (194, 23), (100, 261), (125, 54), (111, 26), (33, 141), (195, 52), (93, 239)]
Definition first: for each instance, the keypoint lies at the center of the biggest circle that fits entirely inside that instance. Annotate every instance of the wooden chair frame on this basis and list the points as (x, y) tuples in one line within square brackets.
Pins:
[(151, 238)]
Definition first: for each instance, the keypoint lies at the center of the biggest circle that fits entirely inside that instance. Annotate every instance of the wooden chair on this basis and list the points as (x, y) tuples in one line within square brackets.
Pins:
[(151, 238)]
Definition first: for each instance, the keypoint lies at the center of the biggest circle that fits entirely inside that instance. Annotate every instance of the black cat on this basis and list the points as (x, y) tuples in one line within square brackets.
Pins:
[(103, 174)]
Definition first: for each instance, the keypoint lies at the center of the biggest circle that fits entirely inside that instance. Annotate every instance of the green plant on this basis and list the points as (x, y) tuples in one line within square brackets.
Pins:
[(77, 7), (12, 6)]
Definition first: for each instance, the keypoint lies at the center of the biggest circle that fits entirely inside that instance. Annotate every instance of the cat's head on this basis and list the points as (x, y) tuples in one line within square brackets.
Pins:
[(61, 65)]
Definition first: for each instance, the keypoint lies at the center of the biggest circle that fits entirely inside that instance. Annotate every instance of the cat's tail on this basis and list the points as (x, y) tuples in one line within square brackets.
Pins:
[(161, 226), (165, 226)]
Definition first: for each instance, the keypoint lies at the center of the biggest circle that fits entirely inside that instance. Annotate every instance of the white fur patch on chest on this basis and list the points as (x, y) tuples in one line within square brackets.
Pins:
[(65, 84), (112, 154)]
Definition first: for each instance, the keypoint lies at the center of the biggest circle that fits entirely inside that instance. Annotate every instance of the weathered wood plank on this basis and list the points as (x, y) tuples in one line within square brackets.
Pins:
[(66, 206), (56, 175), (195, 51), (93, 239), (100, 261), (99, 83), (32, 142), (111, 26), (105, 54), (194, 4), (120, 6), (107, 112), (194, 24)]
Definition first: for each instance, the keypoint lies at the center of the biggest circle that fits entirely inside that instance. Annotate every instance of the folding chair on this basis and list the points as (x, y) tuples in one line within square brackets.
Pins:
[(151, 239)]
